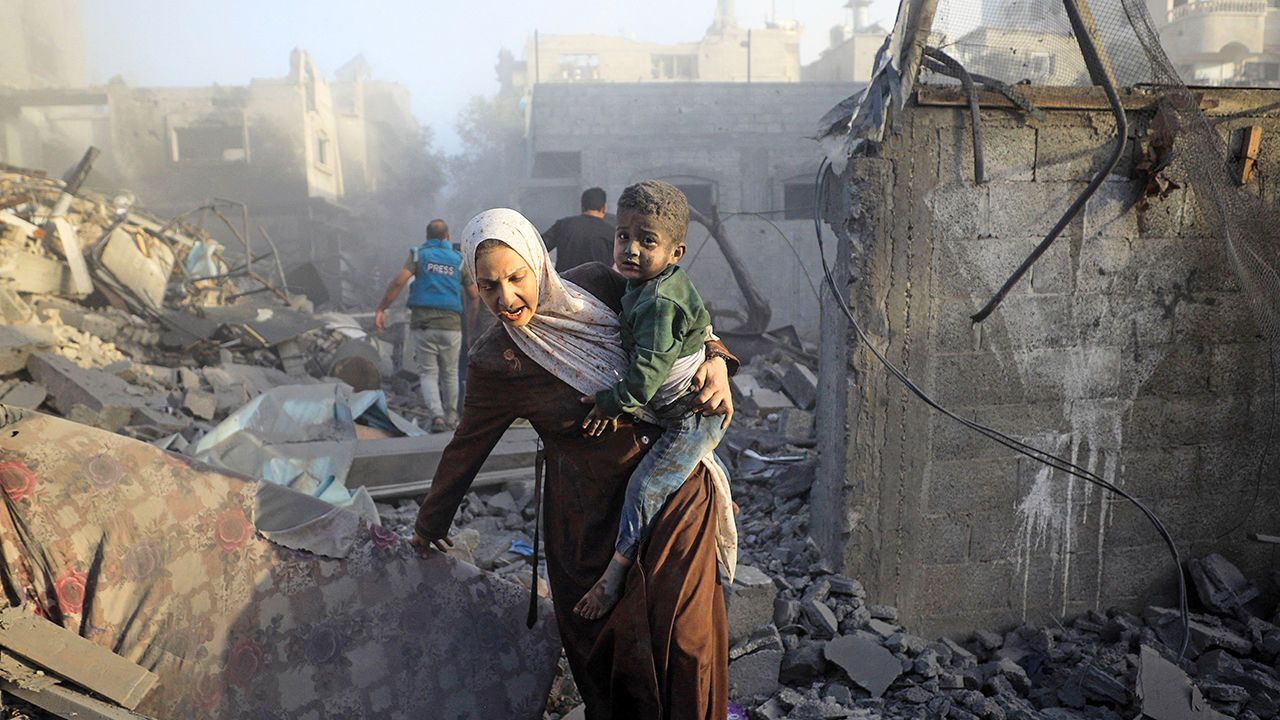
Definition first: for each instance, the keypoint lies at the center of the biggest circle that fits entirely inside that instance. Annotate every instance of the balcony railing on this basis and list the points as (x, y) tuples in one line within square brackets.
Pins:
[(1214, 7)]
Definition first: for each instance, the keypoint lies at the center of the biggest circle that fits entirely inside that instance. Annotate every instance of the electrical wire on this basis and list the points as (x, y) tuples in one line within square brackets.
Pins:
[(1030, 451)]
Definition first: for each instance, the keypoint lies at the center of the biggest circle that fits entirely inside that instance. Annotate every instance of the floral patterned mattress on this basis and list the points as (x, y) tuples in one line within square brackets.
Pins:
[(156, 557)]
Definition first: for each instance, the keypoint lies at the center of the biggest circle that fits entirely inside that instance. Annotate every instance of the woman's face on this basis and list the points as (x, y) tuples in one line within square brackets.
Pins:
[(507, 285)]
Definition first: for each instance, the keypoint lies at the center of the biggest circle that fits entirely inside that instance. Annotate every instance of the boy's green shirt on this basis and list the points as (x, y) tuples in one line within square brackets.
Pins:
[(663, 319)]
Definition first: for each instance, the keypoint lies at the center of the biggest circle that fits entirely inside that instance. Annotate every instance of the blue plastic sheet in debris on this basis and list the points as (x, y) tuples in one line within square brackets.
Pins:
[(301, 436)]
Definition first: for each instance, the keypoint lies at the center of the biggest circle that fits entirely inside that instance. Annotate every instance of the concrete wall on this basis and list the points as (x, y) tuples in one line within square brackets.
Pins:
[(1128, 349), (750, 141)]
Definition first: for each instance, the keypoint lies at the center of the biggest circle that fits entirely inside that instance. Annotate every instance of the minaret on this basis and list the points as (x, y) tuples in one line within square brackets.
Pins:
[(861, 14), (726, 18)]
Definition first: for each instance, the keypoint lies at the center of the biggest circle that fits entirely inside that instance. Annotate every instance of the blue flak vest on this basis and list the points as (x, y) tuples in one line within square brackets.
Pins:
[(437, 278)]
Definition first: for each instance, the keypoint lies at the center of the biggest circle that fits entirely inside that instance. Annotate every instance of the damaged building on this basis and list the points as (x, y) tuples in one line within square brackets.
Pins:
[(327, 166)]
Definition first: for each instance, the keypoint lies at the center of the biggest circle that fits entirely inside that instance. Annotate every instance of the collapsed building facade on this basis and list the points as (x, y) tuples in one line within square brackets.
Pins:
[(327, 167)]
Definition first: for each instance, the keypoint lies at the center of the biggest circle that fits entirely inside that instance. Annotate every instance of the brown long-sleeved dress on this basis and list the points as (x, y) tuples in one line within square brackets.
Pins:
[(662, 652)]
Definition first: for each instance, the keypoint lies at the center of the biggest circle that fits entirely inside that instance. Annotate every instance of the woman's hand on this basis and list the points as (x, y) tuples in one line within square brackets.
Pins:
[(712, 383), (423, 545)]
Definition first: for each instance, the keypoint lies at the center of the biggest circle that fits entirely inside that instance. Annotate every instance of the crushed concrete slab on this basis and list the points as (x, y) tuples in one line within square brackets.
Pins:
[(1166, 693), (866, 663)]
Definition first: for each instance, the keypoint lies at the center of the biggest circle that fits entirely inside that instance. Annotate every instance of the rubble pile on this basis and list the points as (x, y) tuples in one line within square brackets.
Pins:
[(114, 318)]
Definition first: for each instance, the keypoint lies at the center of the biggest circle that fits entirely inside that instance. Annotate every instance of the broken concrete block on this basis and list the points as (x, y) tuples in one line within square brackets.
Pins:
[(754, 399), (882, 629), (140, 263), (866, 663), (754, 665), (1220, 585), (750, 602), (796, 425), (802, 664), (18, 342), (1168, 625), (31, 273), (13, 309), (90, 397), (785, 612), (230, 392), (201, 404), (1008, 670), (24, 395), (841, 585), (821, 619), (801, 385), (501, 503)]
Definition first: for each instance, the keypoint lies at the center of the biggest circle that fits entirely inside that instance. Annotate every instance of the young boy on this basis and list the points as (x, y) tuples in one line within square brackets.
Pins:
[(664, 328)]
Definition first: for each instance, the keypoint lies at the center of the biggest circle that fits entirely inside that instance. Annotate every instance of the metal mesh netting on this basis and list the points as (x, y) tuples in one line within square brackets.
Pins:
[(1031, 41)]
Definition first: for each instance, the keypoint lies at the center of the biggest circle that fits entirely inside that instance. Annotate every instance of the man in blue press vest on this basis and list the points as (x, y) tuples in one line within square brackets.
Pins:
[(436, 308)]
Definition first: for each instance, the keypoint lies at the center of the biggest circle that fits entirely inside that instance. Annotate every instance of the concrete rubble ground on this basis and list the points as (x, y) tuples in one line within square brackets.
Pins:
[(805, 642), (162, 339)]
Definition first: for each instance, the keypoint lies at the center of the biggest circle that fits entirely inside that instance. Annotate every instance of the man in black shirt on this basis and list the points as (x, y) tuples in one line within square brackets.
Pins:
[(582, 238)]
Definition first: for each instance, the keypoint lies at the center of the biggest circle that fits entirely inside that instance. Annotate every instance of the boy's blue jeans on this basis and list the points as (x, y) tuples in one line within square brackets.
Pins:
[(686, 439)]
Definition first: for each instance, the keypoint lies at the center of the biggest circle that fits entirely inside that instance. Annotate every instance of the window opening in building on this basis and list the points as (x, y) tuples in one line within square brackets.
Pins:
[(578, 67), (702, 193), (798, 200), (322, 150), (675, 67), (210, 144)]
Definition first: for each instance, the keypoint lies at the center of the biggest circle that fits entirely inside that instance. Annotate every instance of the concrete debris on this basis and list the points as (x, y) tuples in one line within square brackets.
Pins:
[(1167, 693), (1220, 585), (865, 662)]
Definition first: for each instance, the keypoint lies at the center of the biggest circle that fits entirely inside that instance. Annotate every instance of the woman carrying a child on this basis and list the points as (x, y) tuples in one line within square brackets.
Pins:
[(661, 649)]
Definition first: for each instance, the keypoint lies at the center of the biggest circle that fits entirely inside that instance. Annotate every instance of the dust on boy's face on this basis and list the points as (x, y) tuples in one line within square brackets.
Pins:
[(643, 248)]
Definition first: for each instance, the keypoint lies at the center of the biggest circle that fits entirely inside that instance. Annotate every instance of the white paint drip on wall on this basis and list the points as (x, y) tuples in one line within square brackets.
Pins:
[(1048, 522)]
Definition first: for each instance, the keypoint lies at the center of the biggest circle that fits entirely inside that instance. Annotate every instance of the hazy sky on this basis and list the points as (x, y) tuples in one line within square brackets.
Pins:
[(444, 51)]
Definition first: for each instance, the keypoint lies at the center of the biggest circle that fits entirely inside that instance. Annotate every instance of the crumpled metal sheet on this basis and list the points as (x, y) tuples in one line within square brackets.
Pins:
[(155, 556)]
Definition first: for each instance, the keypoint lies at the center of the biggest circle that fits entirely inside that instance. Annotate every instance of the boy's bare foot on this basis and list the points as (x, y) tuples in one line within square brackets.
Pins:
[(602, 596)]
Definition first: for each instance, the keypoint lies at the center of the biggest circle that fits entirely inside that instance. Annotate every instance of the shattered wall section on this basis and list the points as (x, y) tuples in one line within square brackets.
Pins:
[(1128, 350)]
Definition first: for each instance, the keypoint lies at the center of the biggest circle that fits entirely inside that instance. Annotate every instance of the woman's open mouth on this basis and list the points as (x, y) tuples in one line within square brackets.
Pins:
[(512, 315)]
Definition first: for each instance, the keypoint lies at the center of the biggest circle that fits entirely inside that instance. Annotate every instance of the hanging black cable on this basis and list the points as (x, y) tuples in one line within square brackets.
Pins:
[(1030, 451), (1089, 49)]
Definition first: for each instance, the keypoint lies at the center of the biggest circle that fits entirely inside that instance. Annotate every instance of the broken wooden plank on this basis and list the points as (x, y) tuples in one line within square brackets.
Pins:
[(1214, 101), (70, 240), (1250, 143), (67, 703), (68, 655)]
